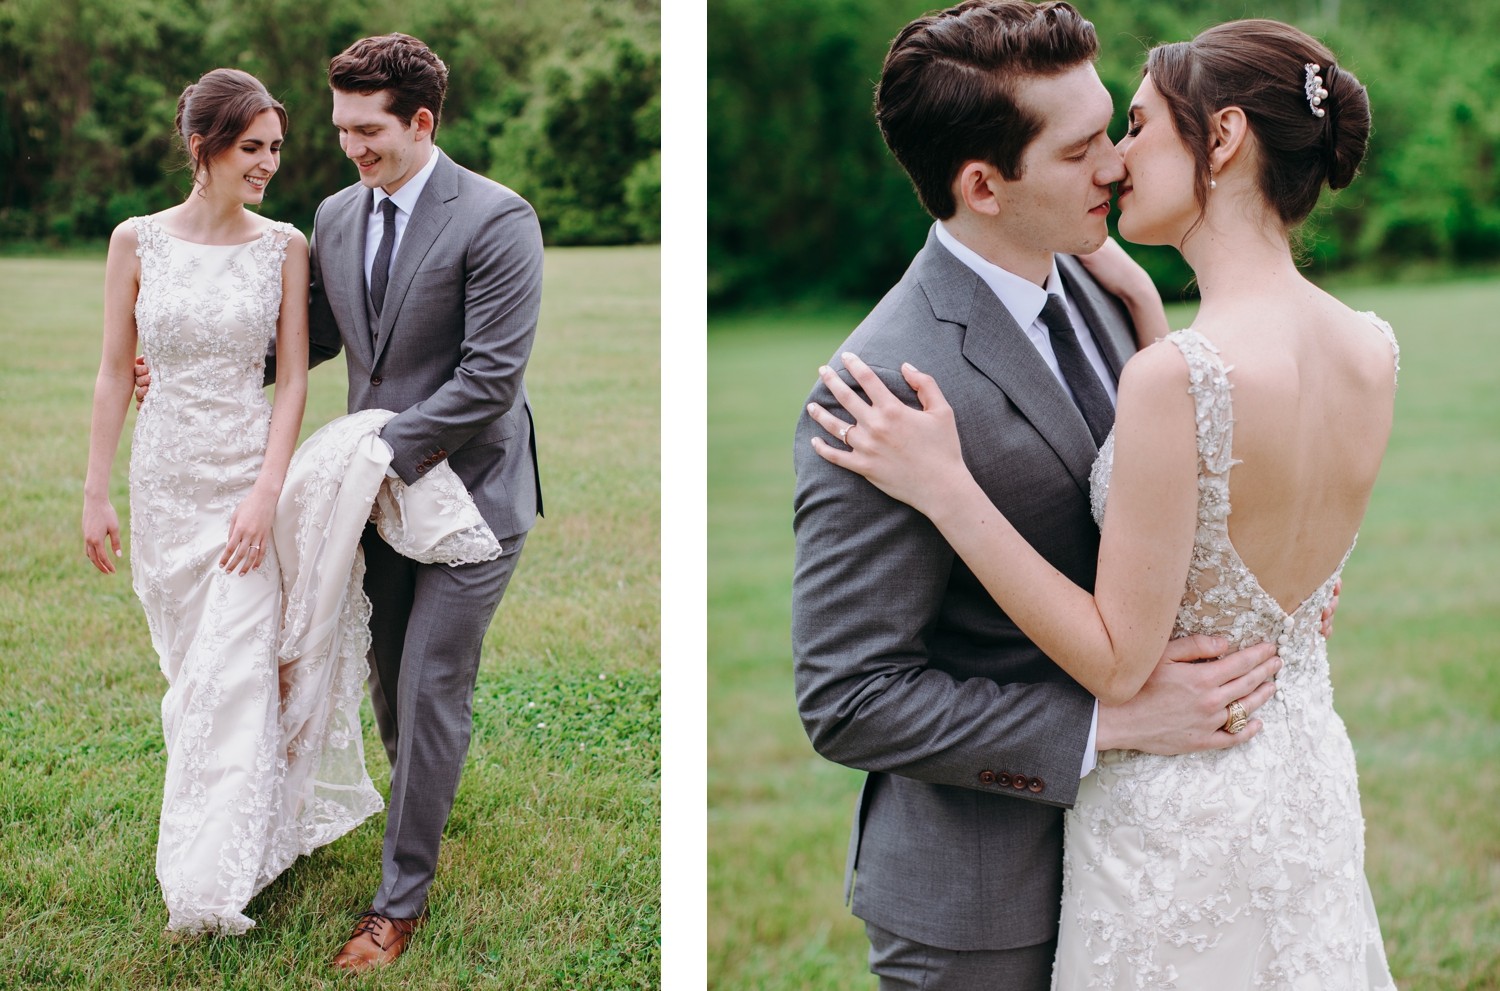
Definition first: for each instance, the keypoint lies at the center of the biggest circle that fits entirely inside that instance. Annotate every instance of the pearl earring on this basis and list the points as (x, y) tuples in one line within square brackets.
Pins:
[(1211, 183)]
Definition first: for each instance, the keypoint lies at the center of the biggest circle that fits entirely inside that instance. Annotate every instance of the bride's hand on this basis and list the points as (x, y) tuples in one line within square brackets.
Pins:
[(249, 532), (911, 455), (101, 533)]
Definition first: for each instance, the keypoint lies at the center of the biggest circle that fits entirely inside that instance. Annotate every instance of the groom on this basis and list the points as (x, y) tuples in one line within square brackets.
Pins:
[(975, 741), (429, 278)]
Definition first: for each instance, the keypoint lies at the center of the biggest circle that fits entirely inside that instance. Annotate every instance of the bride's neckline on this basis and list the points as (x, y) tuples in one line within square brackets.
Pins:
[(200, 244), (1228, 540)]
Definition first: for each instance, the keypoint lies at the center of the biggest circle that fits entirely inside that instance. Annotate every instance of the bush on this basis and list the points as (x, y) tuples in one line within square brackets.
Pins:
[(805, 202), (88, 91)]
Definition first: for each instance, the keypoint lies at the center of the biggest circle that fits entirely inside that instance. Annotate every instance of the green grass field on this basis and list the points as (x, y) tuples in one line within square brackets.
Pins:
[(1416, 659), (550, 866)]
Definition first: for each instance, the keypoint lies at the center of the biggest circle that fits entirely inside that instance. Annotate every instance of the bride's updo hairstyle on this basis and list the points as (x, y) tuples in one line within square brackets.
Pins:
[(219, 108), (1258, 66)]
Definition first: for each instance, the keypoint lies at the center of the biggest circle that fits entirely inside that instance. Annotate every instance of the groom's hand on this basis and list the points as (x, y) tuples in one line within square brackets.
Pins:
[(142, 380), (1183, 706)]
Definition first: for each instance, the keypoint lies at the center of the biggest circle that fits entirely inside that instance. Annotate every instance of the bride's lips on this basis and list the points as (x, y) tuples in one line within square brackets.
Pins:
[(1125, 191)]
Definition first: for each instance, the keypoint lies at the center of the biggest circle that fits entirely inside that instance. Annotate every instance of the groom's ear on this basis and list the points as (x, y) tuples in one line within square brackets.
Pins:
[(975, 187), (424, 123)]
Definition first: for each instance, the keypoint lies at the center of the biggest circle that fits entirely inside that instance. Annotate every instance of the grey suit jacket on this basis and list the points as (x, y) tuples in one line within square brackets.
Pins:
[(906, 668), (455, 332)]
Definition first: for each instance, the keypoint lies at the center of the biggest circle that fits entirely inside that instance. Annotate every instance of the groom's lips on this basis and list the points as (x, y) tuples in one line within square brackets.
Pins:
[(1101, 209)]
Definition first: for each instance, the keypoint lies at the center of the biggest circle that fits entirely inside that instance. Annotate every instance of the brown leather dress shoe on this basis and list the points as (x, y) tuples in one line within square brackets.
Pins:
[(376, 941)]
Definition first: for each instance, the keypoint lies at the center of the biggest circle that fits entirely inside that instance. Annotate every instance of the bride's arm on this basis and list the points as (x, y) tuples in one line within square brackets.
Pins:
[(250, 528), (1110, 641), (112, 391)]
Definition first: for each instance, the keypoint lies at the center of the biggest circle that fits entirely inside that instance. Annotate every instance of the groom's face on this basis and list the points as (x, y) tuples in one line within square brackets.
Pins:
[(386, 151), (1060, 202)]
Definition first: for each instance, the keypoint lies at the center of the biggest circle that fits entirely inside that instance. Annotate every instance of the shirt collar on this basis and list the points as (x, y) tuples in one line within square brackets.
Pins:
[(406, 197), (1023, 298)]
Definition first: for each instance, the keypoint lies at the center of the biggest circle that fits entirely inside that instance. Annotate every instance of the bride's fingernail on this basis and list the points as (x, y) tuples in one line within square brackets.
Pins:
[(848, 355)]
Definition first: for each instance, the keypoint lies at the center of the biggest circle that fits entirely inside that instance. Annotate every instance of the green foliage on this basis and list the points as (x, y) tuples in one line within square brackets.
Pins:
[(806, 201), (551, 100), (577, 150)]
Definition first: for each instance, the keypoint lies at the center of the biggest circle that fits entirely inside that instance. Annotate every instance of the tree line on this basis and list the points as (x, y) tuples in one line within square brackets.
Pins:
[(805, 201), (559, 100)]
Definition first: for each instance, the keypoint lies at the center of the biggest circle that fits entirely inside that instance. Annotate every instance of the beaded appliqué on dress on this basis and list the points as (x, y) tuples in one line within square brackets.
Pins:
[(1238, 868)]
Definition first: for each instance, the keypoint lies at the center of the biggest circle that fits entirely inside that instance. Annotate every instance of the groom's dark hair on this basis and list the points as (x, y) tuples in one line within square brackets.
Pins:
[(399, 65), (947, 91)]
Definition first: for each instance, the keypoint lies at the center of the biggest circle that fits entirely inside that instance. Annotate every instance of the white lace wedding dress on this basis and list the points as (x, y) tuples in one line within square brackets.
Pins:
[(1231, 869), (265, 755)]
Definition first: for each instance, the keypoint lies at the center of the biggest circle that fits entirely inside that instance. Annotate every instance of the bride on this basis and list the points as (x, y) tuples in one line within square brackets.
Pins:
[(1237, 868)]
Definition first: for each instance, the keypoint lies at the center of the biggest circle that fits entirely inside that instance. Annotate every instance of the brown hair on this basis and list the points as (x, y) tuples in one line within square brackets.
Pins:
[(399, 65), (1257, 65), (219, 108), (947, 90)]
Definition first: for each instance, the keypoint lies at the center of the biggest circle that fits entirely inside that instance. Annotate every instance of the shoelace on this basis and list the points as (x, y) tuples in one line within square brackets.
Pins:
[(369, 925)]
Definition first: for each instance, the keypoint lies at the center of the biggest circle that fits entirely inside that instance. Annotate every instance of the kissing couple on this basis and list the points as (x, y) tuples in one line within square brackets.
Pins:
[(277, 584), (1094, 704)]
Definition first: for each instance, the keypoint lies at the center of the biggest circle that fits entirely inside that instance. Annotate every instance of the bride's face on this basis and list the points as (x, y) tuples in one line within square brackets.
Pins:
[(1157, 205), (246, 168)]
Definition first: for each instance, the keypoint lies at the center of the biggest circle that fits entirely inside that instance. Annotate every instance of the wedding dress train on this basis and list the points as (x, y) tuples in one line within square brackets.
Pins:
[(265, 752), (1228, 869)]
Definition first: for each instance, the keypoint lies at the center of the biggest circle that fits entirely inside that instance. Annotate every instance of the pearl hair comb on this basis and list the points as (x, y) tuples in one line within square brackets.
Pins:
[(1312, 85)]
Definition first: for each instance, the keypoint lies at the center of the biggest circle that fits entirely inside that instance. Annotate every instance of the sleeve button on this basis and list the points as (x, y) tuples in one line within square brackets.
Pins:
[(1036, 785), (1020, 783), (986, 777), (1004, 779)]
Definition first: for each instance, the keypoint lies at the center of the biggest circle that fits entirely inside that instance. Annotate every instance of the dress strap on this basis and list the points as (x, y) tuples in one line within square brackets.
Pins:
[(1390, 335), (1210, 388)]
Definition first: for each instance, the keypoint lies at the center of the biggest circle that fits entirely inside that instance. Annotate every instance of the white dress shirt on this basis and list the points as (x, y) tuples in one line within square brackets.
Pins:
[(1024, 300), (406, 200)]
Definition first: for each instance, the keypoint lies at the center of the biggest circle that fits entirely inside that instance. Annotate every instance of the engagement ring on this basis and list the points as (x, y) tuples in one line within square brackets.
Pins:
[(1237, 718)]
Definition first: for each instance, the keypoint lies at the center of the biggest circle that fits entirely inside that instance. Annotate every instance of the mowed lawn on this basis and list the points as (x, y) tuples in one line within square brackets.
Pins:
[(550, 868), (1416, 660)]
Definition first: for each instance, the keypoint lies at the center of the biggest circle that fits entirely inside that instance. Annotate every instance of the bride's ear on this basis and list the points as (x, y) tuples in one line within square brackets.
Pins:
[(1227, 132)]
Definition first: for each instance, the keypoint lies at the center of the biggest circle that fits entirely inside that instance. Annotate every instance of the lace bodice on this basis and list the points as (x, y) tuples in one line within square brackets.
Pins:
[(1255, 853), (1223, 598)]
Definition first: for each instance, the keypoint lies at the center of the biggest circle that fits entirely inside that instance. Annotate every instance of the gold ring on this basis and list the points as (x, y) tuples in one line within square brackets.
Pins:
[(1237, 718)]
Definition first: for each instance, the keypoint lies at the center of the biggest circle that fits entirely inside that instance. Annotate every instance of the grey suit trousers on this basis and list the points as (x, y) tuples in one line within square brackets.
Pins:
[(427, 627), (905, 965)]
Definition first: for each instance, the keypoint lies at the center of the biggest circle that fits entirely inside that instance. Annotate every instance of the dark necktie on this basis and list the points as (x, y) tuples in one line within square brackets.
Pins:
[(1088, 392), (380, 274)]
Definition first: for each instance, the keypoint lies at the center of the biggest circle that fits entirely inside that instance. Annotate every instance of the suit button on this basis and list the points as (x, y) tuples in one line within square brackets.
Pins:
[(986, 777), (421, 469), (1020, 782), (376, 380), (441, 454), (1004, 779), (1036, 784)]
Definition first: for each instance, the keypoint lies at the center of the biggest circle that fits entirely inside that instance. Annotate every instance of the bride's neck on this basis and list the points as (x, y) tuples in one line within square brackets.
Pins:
[(206, 213), (1233, 256)]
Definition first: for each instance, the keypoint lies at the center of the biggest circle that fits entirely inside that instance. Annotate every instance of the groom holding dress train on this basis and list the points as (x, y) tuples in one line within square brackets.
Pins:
[(975, 741)]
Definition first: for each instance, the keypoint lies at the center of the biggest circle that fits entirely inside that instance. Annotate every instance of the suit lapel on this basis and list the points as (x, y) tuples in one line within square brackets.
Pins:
[(428, 219), (1114, 335), (1005, 355), (351, 256)]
